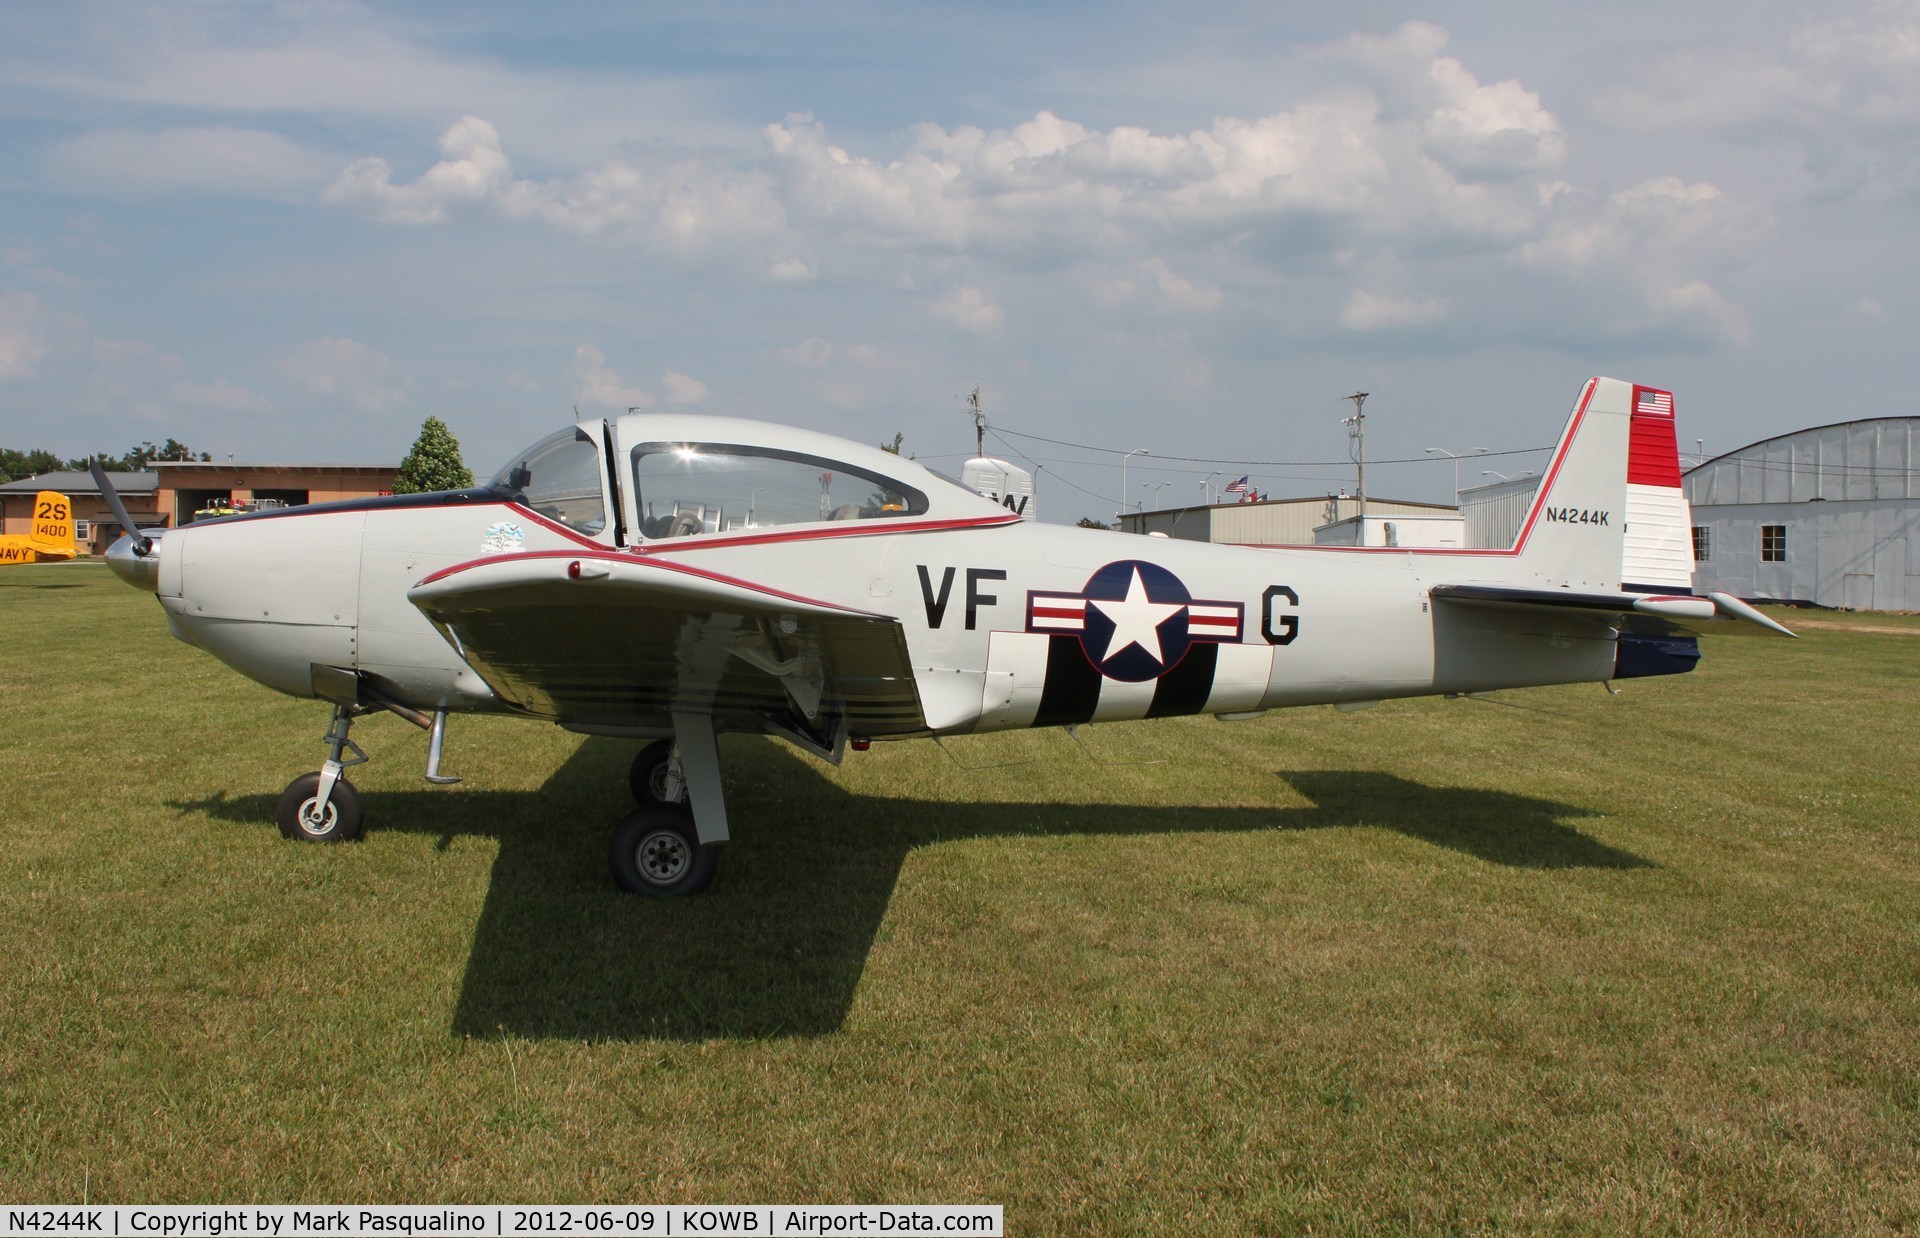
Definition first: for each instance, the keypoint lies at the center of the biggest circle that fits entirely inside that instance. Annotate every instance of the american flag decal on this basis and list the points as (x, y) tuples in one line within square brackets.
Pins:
[(1654, 403)]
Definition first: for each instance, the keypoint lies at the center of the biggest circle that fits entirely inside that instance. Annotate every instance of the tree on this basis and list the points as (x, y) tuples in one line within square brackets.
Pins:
[(1088, 522), (434, 463), (146, 453), (16, 464), (108, 464)]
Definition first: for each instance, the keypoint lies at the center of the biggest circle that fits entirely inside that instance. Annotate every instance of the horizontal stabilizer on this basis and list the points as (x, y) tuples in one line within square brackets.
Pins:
[(1668, 612)]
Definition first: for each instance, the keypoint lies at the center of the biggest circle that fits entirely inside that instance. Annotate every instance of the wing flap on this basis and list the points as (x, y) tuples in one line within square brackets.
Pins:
[(626, 641)]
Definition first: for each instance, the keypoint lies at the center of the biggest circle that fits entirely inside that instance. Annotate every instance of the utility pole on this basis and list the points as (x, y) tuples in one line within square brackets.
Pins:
[(1357, 431), (1455, 457), (1121, 515), (979, 423)]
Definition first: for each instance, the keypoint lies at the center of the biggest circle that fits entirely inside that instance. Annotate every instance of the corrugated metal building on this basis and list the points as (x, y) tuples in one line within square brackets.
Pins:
[(1829, 515), (1495, 512), (1270, 522)]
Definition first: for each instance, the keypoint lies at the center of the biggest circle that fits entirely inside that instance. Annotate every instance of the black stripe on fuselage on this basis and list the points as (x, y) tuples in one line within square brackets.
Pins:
[(1072, 689), (1185, 688)]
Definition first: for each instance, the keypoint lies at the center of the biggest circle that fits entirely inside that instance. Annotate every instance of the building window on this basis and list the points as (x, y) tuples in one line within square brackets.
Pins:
[(1702, 543), (1773, 543), (83, 530)]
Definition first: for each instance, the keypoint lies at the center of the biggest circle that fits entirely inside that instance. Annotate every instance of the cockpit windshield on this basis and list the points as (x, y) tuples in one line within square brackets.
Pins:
[(559, 477), (690, 488)]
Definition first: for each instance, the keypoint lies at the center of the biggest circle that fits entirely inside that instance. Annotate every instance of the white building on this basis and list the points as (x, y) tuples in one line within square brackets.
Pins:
[(1272, 522), (1829, 515), (1424, 531)]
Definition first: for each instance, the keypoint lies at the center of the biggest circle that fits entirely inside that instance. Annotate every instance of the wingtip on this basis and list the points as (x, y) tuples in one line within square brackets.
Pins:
[(1734, 608)]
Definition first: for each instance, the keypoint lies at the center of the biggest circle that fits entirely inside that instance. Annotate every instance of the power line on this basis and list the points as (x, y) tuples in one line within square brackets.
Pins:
[(1286, 464), (1037, 467)]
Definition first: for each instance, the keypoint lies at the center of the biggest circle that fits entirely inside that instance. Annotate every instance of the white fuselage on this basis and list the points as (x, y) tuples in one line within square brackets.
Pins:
[(990, 609)]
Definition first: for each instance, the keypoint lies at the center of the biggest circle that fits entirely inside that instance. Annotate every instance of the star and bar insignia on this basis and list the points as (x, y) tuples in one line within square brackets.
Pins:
[(1135, 619)]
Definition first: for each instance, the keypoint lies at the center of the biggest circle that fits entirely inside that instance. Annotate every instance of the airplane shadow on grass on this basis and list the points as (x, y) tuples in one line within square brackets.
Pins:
[(777, 945)]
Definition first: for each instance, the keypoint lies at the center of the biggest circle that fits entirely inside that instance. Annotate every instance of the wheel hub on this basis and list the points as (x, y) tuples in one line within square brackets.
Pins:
[(313, 821), (663, 857)]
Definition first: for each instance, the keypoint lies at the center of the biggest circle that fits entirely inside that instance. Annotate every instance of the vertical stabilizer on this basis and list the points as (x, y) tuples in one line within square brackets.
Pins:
[(1575, 534), (1610, 514), (53, 525)]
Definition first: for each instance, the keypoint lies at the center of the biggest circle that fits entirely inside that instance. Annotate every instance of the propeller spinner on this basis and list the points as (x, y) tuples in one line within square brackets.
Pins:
[(131, 557)]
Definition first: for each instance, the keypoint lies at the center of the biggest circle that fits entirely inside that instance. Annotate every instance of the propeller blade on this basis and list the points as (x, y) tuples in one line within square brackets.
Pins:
[(142, 546)]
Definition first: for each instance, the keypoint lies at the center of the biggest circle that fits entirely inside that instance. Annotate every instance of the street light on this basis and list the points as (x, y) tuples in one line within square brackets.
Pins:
[(1455, 457), (1138, 451), (1506, 476), (1156, 487), (1206, 486)]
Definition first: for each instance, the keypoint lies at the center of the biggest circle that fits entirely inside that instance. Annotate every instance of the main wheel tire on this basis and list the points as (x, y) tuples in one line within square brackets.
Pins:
[(339, 823), (647, 776), (656, 853)]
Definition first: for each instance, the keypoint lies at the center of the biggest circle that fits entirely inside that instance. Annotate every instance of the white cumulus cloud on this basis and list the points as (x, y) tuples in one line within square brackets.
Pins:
[(1844, 87), (474, 169), (219, 395), (1645, 247), (682, 389), (213, 160), (24, 332), (1425, 151), (599, 384), (1367, 311), (330, 366), (812, 351), (971, 309)]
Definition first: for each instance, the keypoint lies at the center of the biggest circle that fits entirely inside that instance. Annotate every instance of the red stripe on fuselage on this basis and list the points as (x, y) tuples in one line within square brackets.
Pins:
[(630, 560)]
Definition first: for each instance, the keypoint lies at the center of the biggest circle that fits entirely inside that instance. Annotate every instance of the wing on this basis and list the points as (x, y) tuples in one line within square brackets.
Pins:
[(1653, 614), (618, 641)]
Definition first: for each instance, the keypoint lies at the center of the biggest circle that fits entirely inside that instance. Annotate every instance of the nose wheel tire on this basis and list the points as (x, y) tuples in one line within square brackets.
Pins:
[(656, 853), (302, 819), (647, 776)]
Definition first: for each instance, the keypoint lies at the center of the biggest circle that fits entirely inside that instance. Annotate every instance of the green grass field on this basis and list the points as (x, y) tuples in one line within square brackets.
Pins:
[(1571, 962)]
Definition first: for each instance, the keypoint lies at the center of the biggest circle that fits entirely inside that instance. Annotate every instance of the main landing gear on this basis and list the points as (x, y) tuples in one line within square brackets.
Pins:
[(670, 844), (667, 846)]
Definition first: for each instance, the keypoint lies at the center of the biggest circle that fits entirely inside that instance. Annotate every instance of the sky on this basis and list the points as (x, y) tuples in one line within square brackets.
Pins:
[(293, 231)]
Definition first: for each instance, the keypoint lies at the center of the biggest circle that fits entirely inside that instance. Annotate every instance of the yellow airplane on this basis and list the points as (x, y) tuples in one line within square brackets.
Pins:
[(52, 537)]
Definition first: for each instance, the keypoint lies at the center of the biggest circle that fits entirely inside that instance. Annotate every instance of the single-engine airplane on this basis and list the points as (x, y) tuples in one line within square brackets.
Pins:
[(49, 539), (671, 578)]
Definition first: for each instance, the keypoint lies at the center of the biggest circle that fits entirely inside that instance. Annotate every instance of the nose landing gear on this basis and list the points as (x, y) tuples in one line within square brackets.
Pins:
[(323, 807), (667, 847)]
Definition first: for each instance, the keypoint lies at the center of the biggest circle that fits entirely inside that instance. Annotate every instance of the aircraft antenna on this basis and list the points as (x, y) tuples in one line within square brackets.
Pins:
[(1357, 431)]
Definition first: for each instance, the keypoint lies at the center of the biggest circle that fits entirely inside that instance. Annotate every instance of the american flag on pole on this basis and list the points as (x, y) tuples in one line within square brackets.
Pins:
[(1238, 487)]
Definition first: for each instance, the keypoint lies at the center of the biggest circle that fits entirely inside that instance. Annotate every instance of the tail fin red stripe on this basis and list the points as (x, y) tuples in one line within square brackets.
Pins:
[(1653, 451)]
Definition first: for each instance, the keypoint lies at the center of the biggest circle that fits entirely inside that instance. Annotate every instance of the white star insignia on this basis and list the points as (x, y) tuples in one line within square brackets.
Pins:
[(1136, 620)]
